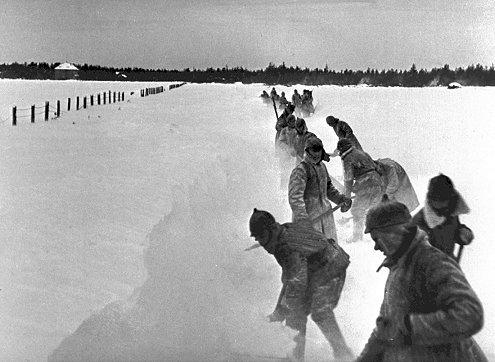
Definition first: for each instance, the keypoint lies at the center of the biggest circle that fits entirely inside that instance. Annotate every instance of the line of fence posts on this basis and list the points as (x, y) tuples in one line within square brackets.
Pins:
[(117, 97)]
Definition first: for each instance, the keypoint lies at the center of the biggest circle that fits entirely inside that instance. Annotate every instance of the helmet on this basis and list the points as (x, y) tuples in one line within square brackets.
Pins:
[(260, 221)]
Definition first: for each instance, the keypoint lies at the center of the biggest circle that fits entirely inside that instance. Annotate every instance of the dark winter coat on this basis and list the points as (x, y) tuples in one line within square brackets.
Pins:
[(310, 193), (396, 183), (443, 232), (442, 308), (343, 130), (312, 266)]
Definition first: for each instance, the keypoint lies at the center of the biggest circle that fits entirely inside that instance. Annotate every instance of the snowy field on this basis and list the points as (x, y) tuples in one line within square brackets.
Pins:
[(123, 227)]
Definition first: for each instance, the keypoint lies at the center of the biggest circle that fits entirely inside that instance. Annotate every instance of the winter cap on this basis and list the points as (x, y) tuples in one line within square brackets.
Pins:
[(313, 143), (291, 107), (441, 188), (343, 145), (332, 121), (260, 221), (387, 213)]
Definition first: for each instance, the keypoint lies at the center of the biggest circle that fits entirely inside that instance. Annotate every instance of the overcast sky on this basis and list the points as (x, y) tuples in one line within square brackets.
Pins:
[(177, 34)]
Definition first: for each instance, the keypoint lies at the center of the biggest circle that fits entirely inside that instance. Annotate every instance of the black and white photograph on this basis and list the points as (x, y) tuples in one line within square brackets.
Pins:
[(247, 181)]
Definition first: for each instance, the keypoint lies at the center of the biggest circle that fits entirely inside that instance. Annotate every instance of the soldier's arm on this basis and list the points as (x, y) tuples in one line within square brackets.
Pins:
[(345, 129), (332, 193), (348, 178), (297, 186), (373, 350), (393, 182), (459, 312)]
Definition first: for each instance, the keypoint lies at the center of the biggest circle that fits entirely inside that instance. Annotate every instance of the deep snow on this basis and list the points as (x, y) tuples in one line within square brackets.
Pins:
[(123, 226)]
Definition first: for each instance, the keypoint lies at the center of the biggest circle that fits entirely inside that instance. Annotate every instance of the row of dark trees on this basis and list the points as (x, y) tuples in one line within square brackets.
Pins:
[(473, 75)]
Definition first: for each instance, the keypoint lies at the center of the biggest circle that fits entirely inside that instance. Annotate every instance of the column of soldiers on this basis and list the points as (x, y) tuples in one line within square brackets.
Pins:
[(303, 103), (429, 311)]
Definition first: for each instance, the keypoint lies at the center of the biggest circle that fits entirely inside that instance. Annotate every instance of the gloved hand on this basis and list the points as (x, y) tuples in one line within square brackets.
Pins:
[(393, 333), (465, 235), (347, 204)]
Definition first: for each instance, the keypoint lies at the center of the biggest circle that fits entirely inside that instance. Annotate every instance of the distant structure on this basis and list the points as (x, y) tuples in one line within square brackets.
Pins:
[(454, 85), (66, 71)]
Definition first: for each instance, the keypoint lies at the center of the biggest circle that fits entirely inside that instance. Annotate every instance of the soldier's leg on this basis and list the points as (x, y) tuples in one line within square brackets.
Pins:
[(325, 299), (358, 217)]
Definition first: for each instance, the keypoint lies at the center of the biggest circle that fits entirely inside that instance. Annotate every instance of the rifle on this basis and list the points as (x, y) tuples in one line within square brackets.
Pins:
[(275, 107)]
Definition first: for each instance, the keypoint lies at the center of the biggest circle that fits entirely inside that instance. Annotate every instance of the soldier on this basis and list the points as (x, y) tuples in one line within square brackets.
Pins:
[(429, 311), (314, 270), (283, 102), (362, 178), (343, 130), (396, 183), (287, 137), (282, 120), (297, 102), (311, 190), (301, 137), (439, 218)]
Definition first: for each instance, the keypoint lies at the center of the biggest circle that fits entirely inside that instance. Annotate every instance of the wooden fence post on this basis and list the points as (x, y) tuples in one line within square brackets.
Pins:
[(84, 102), (14, 116), (114, 97), (47, 110), (122, 96), (109, 97), (99, 99), (91, 100), (32, 113), (77, 103), (58, 109), (68, 104), (104, 98)]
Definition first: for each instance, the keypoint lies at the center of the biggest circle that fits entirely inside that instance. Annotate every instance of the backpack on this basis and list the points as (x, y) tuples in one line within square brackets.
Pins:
[(313, 244)]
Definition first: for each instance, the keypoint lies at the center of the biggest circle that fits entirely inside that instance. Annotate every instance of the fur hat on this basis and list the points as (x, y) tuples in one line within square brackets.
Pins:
[(387, 213), (441, 188), (315, 144), (260, 221), (332, 121)]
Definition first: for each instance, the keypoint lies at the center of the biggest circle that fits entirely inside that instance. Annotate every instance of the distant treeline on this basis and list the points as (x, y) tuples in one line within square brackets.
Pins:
[(473, 75)]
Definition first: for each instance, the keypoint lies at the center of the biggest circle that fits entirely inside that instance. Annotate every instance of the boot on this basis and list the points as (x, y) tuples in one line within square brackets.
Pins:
[(332, 333), (278, 314), (298, 351)]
